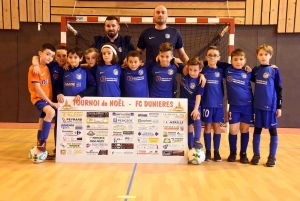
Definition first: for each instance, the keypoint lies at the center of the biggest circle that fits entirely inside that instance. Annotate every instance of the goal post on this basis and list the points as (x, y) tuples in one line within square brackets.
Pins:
[(197, 33)]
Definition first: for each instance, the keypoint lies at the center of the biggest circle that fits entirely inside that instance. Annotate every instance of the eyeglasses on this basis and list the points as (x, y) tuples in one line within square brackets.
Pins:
[(212, 56)]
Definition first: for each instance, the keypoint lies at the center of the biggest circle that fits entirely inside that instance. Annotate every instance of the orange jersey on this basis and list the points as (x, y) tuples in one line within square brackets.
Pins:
[(44, 78)]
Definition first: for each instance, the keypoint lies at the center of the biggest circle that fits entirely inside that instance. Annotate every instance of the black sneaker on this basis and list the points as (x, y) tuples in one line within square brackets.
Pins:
[(217, 156), (198, 145), (231, 157), (271, 161), (41, 145), (243, 158), (51, 156), (255, 159), (208, 156)]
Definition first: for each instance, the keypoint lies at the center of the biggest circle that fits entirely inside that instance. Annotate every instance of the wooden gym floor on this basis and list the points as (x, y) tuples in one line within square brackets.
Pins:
[(23, 180)]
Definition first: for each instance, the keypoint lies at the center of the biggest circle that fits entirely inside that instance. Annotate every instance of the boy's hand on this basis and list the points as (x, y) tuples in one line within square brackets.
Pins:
[(202, 80), (124, 64), (36, 69), (60, 98), (66, 66), (55, 105), (77, 98), (248, 69), (177, 61), (195, 114), (278, 113), (273, 66)]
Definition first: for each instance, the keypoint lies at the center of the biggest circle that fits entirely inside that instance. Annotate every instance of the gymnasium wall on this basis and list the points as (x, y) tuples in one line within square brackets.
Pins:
[(276, 22)]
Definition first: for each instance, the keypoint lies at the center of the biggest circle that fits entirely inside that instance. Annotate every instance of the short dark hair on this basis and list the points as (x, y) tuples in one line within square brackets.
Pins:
[(213, 48), (47, 46), (115, 57), (112, 17), (62, 48), (134, 53), (76, 50), (196, 61), (165, 47), (238, 52)]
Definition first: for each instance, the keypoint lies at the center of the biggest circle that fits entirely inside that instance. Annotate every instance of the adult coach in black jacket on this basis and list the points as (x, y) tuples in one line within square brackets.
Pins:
[(112, 29)]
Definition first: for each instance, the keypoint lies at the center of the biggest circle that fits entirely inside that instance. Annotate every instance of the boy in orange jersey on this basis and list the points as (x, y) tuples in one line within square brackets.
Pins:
[(40, 89)]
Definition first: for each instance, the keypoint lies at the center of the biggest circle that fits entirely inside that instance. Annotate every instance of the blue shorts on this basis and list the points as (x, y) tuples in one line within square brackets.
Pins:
[(265, 119), (212, 114), (190, 110), (40, 106), (240, 113)]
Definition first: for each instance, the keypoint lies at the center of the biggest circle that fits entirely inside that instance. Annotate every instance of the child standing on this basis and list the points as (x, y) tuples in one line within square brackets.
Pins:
[(163, 73), (134, 78), (212, 102), (76, 80), (40, 89), (240, 99), (267, 103), (55, 68), (191, 89), (108, 72)]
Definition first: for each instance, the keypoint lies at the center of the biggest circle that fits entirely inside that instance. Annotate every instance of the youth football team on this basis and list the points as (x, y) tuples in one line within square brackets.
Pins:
[(49, 81)]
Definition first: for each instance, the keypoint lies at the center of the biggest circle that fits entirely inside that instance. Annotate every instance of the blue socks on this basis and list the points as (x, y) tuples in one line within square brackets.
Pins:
[(244, 142), (191, 140), (232, 142), (207, 141), (45, 130), (256, 144), (217, 140), (273, 145), (197, 129)]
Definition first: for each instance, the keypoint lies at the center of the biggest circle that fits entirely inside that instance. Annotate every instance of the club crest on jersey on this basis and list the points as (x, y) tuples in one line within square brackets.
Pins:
[(192, 86), (217, 74), (244, 75), (266, 75), (170, 71), (141, 72), (167, 36), (116, 72), (229, 79), (78, 76), (120, 49), (55, 76)]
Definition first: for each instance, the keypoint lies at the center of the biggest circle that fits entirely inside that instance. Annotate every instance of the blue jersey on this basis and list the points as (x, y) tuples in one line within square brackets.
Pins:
[(213, 90), (77, 81), (266, 80), (162, 81), (108, 80), (239, 90), (135, 82), (55, 71), (151, 38), (190, 88)]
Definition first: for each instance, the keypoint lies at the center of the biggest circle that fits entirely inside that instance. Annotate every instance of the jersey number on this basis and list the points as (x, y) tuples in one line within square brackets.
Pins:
[(205, 112)]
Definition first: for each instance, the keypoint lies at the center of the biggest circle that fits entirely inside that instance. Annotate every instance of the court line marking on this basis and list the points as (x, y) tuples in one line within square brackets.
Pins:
[(130, 182), (126, 196)]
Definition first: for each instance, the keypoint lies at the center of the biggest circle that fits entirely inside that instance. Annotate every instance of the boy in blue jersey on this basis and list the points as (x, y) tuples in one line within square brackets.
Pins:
[(191, 89), (239, 92), (76, 80), (55, 67), (134, 78), (212, 102), (163, 73), (108, 72), (267, 103)]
